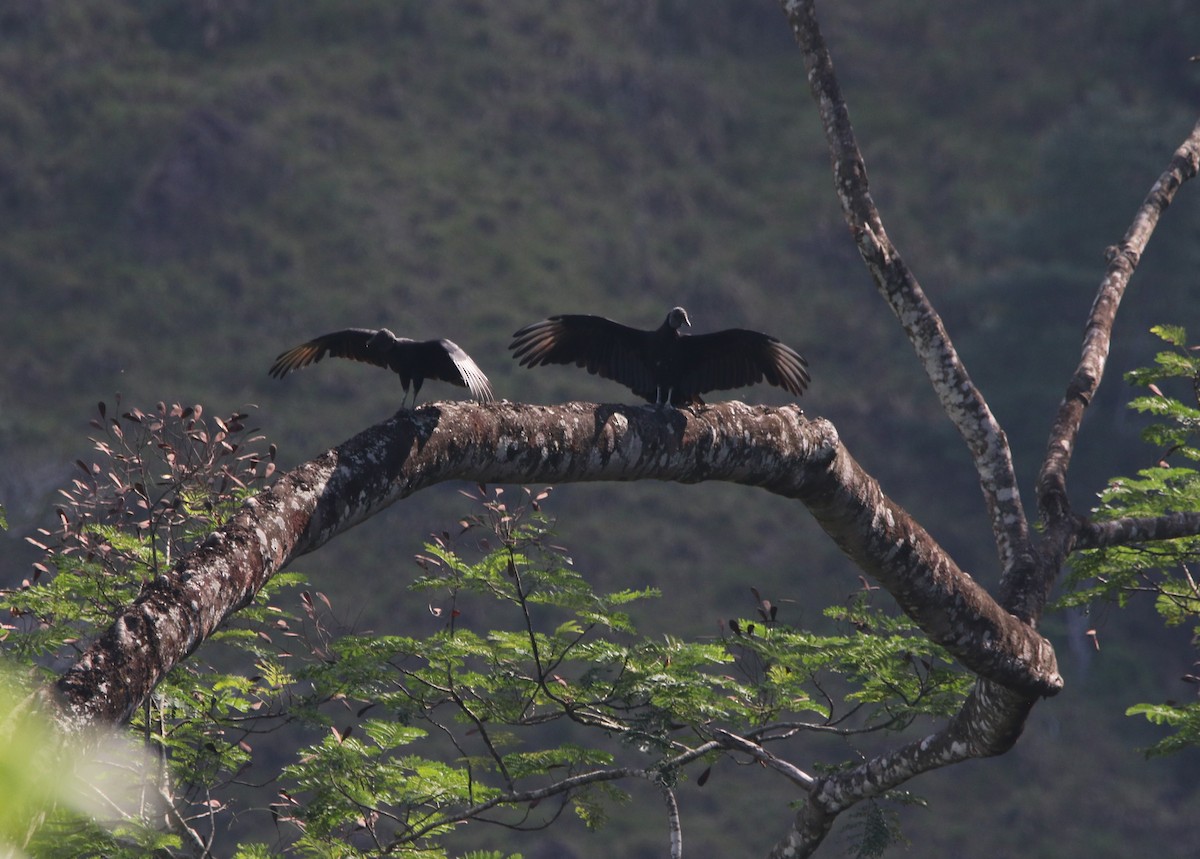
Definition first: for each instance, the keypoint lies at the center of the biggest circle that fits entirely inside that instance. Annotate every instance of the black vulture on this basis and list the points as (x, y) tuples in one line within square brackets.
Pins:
[(413, 361), (662, 366)]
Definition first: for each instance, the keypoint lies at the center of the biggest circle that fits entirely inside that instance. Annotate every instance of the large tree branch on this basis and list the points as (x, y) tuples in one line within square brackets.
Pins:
[(777, 449), (960, 399)]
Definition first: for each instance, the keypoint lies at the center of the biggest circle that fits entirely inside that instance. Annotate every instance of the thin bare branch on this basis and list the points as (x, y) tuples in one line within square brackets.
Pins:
[(564, 786), (961, 400), (741, 744), (1053, 504)]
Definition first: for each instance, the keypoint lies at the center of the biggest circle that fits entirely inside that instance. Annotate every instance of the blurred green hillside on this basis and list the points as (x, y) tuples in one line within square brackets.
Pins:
[(188, 188)]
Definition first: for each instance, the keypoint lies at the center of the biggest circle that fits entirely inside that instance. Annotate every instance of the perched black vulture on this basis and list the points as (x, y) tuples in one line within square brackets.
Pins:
[(662, 365), (413, 361)]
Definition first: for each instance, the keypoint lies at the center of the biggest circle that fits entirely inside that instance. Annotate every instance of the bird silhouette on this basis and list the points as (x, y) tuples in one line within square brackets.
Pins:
[(662, 365), (413, 361)]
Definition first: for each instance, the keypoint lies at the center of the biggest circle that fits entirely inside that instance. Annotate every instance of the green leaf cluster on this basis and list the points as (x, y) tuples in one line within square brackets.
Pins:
[(873, 828), (534, 693)]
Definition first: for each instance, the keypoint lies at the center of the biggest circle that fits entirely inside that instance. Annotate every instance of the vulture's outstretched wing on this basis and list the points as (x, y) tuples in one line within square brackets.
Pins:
[(735, 358), (445, 361), (350, 343), (603, 347), (413, 361)]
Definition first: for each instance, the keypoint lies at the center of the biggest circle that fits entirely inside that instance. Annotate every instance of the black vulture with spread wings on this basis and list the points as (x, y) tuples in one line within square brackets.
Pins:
[(663, 365), (413, 361)]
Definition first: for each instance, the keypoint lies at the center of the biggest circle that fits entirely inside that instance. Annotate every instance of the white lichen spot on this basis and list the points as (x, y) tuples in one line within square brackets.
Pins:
[(505, 445)]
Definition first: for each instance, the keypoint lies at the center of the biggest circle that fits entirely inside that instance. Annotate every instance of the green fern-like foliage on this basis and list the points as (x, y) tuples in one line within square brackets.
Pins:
[(874, 825), (533, 694)]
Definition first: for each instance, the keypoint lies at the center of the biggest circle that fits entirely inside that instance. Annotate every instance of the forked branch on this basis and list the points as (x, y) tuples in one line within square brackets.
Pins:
[(992, 718)]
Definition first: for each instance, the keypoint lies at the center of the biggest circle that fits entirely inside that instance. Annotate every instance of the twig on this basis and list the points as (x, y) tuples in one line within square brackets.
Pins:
[(741, 744)]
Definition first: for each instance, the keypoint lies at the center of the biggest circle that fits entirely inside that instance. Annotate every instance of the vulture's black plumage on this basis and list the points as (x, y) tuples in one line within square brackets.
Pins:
[(662, 365), (413, 361)]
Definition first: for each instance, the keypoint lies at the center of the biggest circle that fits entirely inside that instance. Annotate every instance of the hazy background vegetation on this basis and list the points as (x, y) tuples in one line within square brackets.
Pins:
[(187, 188)]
